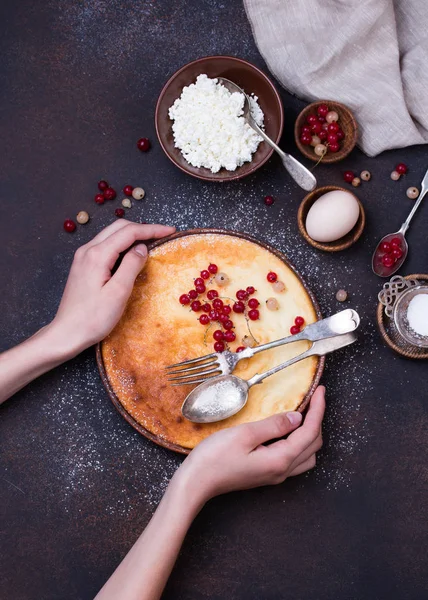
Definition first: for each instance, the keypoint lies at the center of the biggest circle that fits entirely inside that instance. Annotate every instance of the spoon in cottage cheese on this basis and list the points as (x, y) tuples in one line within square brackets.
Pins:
[(301, 175)]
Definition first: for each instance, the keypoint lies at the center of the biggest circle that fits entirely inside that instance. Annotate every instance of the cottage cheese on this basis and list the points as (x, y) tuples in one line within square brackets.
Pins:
[(209, 127)]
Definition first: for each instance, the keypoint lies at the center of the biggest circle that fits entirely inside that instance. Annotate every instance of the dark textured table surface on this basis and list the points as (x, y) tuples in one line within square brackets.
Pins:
[(79, 83)]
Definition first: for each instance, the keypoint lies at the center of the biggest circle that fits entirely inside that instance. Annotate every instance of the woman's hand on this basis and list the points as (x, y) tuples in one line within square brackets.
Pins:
[(236, 459), (94, 299)]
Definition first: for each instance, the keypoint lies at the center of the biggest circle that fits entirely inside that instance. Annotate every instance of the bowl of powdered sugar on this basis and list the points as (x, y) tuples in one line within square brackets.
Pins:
[(411, 315), (200, 124)]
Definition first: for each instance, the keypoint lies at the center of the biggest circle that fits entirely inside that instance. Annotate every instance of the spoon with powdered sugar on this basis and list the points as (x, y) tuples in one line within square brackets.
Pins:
[(301, 175)]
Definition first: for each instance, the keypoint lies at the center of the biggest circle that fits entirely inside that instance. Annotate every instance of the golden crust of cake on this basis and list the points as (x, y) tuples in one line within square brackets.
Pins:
[(156, 330)]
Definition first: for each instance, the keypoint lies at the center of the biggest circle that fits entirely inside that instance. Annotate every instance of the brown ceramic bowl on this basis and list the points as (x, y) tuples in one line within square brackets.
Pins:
[(340, 244), (346, 121), (244, 74), (119, 406)]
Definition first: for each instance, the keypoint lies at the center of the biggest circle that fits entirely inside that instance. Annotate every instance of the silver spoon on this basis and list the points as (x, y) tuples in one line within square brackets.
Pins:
[(222, 397), (301, 175), (377, 265)]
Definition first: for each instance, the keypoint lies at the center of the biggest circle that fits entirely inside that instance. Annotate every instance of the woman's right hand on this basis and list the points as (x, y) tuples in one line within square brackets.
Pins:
[(236, 459)]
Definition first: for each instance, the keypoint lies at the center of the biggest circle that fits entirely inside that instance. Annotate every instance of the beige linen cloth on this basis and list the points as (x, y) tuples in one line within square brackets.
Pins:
[(372, 55)]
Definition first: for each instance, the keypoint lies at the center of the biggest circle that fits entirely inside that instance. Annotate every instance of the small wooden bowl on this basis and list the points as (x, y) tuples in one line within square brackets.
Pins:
[(347, 123), (344, 242)]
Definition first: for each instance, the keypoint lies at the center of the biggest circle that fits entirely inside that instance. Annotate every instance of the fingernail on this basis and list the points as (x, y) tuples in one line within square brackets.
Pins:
[(141, 249), (294, 417)]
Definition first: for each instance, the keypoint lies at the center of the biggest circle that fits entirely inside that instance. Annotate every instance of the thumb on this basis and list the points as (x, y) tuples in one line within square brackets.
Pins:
[(273, 427), (132, 263)]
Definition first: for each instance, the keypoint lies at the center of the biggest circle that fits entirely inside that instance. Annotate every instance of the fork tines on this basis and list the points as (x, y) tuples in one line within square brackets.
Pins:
[(195, 373)]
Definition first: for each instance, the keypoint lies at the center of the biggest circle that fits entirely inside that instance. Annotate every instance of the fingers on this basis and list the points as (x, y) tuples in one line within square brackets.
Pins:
[(107, 231), (309, 464), (146, 231), (132, 263), (298, 441), (268, 429)]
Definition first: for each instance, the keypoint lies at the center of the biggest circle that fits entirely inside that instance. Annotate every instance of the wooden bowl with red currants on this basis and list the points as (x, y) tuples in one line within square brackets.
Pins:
[(326, 131)]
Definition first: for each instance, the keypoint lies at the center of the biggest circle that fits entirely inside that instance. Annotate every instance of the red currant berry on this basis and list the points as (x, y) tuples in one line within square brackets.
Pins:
[(305, 129), (334, 147), (238, 307), (199, 281), (253, 303), (386, 247), (218, 303), (213, 315), (306, 139), (242, 295), (240, 348), (321, 119), (218, 335), (102, 185), (223, 318), (271, 277), (119, 212), (195, 306), (401, 168), (316, 128), (211, 294), (228, 324), (340, 134), (219, 347), (269, 200), (251, 289), (69, 225), (205, 274), (333, 127), (206, 307), (226, 310), (184, 299), (396, 242), (204, 319), (229, 336), (332, 138), (322, 135), (348, 176), (397, 253), (110, 193), (299, 321), (294, 329), (143, 144), (99, 198), (127, 190), (388, 260), (311, 119), (254, 314), (200, 288), (193, 294), (322, 110), (212, 268)]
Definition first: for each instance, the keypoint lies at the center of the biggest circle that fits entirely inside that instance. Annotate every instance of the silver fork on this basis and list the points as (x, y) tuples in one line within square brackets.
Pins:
[(200, 369)]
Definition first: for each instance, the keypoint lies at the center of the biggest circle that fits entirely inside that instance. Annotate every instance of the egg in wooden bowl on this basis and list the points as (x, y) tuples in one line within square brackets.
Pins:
[(157, 330)]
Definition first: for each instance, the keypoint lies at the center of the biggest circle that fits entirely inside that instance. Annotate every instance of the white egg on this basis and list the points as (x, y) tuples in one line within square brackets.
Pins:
[(332, 216)]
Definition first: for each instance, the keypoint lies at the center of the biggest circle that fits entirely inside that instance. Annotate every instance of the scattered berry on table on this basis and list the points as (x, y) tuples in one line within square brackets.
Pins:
[(138, 193), (99, 198), (127, 190), (271, 277), (69, 225), (126, 202), (272, 304), (269, 200), (348, 176), (401, 168), (365, 175), (412, 193), (102, 185), (395, 175), (110, 193), (341, 295), (119, 212), (82, 217), (143, 144), (356, 182)]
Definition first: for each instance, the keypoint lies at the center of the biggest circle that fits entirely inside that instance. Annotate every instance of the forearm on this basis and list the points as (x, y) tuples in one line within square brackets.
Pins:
[(143, 573), (45, 350)]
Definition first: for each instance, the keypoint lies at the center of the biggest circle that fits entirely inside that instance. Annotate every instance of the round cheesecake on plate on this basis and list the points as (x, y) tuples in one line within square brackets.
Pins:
[(157, 330)]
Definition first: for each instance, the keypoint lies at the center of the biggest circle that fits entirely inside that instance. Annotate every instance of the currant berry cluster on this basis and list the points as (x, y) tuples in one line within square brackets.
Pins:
[(400, 169), (390, 251), (298, 324), (215, 311), (322, 131)]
